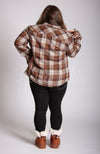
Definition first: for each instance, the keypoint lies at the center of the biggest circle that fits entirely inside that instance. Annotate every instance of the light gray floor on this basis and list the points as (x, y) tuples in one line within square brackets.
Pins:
[(17, 137)]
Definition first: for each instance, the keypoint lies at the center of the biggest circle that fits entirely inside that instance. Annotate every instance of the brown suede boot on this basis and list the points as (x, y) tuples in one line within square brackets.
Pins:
[(54, 141), (40, 142)]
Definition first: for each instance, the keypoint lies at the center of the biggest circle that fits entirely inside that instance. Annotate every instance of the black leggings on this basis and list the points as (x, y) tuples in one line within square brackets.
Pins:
[(44, 97)]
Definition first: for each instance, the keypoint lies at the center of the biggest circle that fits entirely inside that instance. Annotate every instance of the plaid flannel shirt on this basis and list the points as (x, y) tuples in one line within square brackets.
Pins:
[(46, 48)]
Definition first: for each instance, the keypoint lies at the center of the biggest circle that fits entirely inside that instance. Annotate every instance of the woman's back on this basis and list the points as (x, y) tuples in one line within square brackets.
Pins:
[(50, 47)]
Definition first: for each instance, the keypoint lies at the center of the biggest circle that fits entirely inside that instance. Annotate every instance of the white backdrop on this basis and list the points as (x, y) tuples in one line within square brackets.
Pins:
[(81, 101)]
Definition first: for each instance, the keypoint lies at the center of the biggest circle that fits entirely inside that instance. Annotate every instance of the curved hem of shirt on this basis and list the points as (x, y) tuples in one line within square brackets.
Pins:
[(32, 78)]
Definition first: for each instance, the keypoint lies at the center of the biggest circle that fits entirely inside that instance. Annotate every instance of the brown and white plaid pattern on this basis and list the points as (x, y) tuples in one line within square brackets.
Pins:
[(46, 48)]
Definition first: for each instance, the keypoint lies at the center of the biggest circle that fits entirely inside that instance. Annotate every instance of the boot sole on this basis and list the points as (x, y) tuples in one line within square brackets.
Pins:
[(54, 146), (40, 146)]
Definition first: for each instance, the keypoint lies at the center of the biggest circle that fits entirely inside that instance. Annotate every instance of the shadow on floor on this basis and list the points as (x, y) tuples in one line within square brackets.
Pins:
[(18, 130)]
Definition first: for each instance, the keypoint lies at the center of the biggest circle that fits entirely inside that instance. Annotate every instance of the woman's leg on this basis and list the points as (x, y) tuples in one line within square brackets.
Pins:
[(56, 95), (41, 98)]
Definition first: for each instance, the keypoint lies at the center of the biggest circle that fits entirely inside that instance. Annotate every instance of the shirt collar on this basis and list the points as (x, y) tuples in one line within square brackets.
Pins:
[(52, 25)]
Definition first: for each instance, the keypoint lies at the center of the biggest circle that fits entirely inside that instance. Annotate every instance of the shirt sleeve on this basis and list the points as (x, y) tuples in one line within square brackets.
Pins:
[(21, 43), (73, 43)]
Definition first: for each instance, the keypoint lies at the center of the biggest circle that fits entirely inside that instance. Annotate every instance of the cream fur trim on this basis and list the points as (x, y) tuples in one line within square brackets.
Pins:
[(56, 132), (42, 133)]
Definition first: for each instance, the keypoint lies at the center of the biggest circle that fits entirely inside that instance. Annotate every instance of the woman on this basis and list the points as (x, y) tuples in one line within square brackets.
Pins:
[(46, 47)]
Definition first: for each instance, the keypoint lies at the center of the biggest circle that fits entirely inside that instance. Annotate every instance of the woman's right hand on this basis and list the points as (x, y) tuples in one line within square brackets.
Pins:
[(71, 31)]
